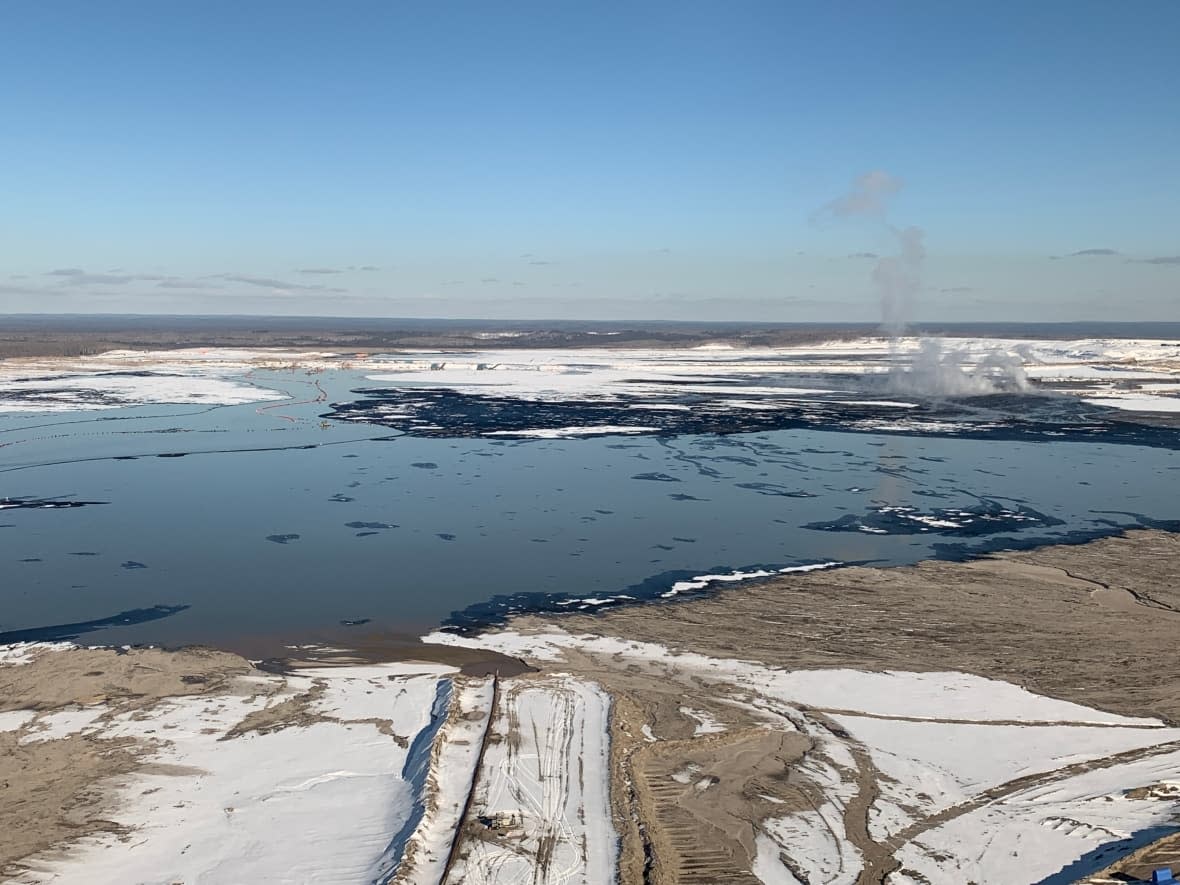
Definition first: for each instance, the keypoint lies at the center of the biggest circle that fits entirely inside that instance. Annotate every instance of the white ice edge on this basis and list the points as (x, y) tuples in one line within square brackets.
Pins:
[(700, 582), (24, 652), (565, 432)]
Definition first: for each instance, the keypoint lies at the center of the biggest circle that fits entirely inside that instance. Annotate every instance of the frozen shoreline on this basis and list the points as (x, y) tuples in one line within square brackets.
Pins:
[(1131, 374)]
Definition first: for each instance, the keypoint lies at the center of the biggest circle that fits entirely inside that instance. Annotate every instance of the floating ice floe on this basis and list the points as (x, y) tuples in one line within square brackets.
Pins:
[(567, 432)]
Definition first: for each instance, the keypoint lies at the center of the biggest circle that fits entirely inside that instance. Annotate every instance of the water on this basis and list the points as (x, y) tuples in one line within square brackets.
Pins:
[(268, 527)]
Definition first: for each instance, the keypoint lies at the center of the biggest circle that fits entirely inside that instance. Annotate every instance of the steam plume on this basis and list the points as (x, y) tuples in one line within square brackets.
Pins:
[(933, 371), (898, 279), (869, 195)]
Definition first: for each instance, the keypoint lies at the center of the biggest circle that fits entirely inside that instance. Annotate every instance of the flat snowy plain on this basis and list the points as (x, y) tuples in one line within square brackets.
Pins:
[(1128, 374)]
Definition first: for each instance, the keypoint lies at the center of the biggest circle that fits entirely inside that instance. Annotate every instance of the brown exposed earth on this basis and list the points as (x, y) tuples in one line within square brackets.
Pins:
[(54, 791)]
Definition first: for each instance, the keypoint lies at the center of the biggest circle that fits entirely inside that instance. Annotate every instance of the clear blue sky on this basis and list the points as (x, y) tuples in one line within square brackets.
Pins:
[(659, 160)]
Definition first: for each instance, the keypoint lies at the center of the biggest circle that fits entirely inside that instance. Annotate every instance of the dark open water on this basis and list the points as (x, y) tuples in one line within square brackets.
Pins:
[(252, 526)]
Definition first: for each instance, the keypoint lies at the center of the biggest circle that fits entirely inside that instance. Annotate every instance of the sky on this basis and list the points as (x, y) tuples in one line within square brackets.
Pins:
[(651, 160)]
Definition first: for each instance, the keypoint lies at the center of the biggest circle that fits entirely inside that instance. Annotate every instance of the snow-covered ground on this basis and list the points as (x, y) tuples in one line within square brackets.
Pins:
[(452, 772), (1139, 402), (314, 801), (1105, 364), (544, 791), (69, 393), (315, 776), (811, 839), (346, 774), (976, 780), (1116, 372), (205, 376), (1008, 839)]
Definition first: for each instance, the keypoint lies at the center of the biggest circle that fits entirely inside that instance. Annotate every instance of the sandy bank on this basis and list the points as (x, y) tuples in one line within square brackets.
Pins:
[(1088, 623)]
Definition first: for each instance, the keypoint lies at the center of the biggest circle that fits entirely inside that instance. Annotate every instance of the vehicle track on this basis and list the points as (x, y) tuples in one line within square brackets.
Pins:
[(465, 814)]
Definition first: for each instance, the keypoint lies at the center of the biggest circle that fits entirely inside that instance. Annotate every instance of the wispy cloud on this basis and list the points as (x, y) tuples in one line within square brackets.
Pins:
[(864, 255), (1084, 252), (102, 279), (1159, 259), (76, 276), (178, 283), (30, 290), (273, 297), (321, 270), (869, 195), (268, 282)]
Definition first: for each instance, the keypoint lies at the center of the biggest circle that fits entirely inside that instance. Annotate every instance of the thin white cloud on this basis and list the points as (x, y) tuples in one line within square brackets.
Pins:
[(268, 282)]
